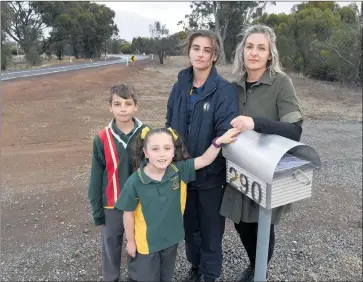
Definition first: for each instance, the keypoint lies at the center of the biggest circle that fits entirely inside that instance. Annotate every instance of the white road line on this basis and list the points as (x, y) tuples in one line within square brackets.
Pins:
[(34, 70), (62, 70), (86, 64), (9, 76), (55, 68)]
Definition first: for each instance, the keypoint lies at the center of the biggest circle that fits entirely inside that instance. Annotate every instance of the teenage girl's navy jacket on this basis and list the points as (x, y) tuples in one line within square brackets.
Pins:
[(214, 110)]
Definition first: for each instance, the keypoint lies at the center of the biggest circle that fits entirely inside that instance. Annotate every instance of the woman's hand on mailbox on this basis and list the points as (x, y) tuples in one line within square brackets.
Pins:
[(243, 123)]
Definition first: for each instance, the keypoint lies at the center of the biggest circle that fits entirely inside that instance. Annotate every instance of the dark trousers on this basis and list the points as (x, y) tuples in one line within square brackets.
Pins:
[(204, 229), (111, 244), (248, 234), (156, 267), (111, 241)]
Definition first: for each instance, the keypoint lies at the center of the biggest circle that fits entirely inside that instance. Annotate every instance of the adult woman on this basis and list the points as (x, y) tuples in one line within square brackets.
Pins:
[(200, 107), (267, 104)]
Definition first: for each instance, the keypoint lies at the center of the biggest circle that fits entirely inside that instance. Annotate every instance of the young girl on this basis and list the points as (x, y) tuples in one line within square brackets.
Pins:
[(153, 199)]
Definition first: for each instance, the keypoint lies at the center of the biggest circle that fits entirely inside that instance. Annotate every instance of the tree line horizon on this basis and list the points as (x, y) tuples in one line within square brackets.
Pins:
[(321, 40)]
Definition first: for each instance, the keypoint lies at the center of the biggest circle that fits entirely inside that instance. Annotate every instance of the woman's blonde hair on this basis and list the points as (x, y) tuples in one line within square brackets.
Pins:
[(273, 64)]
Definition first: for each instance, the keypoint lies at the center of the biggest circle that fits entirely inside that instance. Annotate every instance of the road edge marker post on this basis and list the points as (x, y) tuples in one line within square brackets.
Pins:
[(127, 61), (133, 59)]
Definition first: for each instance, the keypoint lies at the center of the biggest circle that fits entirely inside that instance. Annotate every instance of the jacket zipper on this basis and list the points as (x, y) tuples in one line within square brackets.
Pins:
[(191, 118)]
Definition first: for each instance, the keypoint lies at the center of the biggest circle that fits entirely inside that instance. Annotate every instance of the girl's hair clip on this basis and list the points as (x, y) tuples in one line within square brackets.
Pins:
[(144, 131), (173, 133)]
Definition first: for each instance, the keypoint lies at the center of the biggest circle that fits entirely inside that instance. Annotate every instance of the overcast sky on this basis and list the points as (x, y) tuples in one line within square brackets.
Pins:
[(133, 18)]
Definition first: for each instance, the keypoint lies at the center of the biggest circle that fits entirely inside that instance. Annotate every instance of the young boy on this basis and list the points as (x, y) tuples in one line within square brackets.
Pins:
[(111, 167)]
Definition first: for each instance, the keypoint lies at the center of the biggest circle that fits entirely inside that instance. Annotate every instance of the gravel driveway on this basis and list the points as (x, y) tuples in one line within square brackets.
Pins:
[(46, 229), (321, 240)]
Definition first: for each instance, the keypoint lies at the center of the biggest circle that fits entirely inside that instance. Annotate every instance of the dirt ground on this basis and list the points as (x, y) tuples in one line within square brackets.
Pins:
[(47, 127)]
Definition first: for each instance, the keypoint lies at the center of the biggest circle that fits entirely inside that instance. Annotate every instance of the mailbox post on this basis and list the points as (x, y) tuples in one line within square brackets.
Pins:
[(273, 171)]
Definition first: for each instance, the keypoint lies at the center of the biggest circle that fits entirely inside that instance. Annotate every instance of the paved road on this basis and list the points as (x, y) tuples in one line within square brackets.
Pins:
[(121, 59)]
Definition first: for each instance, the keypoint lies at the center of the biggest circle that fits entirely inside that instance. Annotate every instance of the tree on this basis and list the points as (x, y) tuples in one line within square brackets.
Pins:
[(143, 45), (97, 25), (159, 34), (86, 26), (126, 47), (225, 18), (59, 17), (5, 48), (115, 44), (27, 21), (177, 44), (320, 39), (5, 52)]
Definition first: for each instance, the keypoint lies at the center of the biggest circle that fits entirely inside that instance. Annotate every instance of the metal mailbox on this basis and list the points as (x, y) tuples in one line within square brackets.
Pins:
[(273, 171), (270, 169)]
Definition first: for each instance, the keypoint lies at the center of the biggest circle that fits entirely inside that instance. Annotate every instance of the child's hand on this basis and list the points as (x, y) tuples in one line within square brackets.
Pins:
[(228, 137), (131, 248)]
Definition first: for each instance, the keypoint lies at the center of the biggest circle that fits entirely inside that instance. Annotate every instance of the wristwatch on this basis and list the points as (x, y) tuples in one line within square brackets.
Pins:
[(215, 144)]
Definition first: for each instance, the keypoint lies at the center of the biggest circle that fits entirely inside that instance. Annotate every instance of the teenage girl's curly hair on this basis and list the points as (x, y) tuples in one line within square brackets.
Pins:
[(138, 155)]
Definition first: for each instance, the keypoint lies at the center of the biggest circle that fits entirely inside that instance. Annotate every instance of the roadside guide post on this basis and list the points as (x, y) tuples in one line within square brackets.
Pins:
[(133, 59), (273, 171)]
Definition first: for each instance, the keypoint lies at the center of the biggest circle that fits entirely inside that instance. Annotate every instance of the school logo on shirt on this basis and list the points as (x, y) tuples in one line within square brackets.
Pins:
[(175, 182), (206, 106)]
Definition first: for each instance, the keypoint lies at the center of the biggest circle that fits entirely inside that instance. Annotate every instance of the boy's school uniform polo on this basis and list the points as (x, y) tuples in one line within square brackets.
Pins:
[(111, 167), (159, 205)]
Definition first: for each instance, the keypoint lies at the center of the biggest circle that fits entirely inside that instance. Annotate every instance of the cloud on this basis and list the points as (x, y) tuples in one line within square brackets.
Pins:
[(132, 25), (133, 18)]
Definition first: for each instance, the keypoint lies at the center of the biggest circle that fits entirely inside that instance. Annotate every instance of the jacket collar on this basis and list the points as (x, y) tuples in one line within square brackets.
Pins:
[(116, 132), (266, 78), (185, 78)]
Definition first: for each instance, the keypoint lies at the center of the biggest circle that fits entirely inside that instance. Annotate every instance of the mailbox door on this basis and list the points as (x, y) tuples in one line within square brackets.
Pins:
[(293, 185)]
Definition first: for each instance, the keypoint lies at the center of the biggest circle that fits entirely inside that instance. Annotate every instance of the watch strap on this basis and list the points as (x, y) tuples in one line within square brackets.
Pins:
[(215, 144)]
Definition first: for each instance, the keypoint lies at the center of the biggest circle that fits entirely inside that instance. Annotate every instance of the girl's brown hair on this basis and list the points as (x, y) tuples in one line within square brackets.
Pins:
[(208, 34), (139, 144)]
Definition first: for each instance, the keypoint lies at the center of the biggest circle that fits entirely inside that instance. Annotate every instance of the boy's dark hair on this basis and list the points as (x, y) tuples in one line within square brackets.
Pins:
[(123, 91), (138, 155)]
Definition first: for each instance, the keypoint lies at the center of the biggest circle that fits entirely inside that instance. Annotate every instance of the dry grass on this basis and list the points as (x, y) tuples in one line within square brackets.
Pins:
[(319, 99)]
